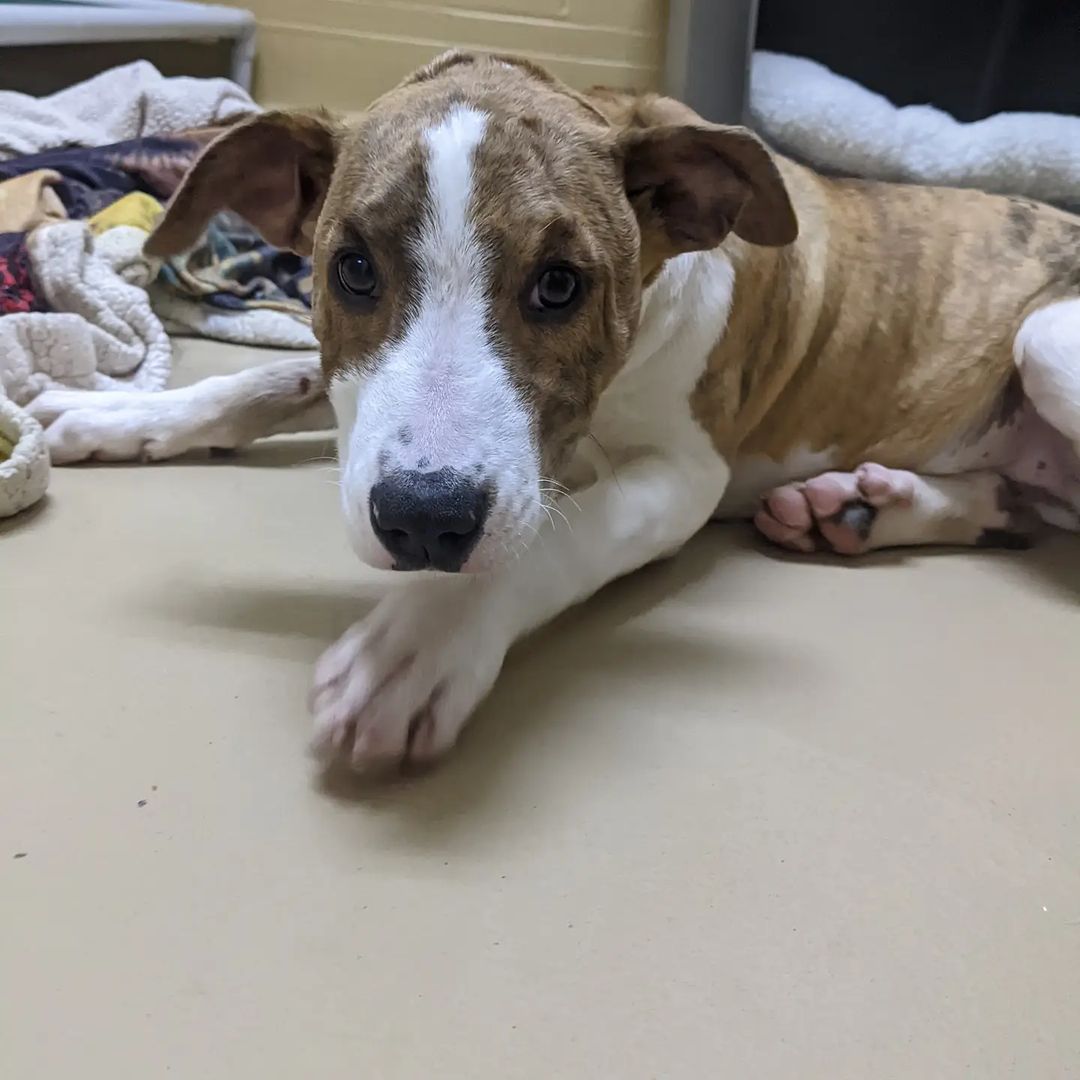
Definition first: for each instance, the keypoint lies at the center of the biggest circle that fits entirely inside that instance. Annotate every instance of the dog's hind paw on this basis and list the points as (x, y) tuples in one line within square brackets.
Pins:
[(835, 511)]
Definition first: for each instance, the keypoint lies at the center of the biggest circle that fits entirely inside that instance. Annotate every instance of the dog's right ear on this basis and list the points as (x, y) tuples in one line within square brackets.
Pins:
[(690, 184), (272, 170)]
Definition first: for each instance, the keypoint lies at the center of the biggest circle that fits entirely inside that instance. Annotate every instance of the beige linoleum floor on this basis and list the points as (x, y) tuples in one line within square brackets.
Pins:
[(739, 817)]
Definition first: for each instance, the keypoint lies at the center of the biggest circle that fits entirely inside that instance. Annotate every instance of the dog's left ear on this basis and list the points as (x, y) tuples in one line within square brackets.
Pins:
[(272, 170), (691, 185)]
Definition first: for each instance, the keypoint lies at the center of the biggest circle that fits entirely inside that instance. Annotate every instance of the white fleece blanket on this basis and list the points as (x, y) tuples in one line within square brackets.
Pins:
[(815, 116), (252, 326), (127, 102), (100, 333)]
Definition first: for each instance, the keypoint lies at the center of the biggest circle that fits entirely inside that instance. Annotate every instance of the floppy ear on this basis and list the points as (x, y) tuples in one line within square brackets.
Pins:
[(691, 185), (272, 170)]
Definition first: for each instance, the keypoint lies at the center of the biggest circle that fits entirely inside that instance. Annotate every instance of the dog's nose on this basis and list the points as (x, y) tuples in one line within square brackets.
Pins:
[(428, 518)]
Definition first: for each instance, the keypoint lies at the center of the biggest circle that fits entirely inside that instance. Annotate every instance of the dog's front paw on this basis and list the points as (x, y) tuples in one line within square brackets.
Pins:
[(118, 425), (399, 686)]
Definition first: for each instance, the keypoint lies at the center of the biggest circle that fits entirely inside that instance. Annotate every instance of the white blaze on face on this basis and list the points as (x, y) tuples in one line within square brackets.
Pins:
[(441, 397)]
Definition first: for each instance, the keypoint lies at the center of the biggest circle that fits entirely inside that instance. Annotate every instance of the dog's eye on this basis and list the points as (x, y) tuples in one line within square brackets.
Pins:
[(356, 274), (556, 289)]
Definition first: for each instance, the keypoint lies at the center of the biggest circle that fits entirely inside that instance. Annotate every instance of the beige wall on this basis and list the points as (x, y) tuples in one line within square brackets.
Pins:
[(342, 53)]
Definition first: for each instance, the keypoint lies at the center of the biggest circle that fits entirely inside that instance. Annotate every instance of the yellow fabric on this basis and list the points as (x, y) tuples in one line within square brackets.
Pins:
[(137, 209), (6, 446), (28, 201)]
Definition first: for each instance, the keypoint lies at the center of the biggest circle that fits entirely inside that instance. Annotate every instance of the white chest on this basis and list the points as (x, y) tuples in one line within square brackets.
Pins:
[(683, 315)]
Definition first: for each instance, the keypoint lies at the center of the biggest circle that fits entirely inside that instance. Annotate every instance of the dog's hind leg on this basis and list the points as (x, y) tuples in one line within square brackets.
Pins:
[(1047, 351), (873, 507), (224, 411)]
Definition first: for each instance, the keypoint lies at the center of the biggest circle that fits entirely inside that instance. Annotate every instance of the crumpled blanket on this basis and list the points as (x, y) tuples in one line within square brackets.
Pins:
[(136, 208), (127, 102), (838, 126), (92, 179), (254, 326), (100, 332), (235, 269), (30, 199), (80, 314)]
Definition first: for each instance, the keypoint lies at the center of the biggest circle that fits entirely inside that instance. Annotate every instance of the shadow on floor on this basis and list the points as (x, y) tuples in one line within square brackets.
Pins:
[(549, 675), (541, 689), (23, 520)]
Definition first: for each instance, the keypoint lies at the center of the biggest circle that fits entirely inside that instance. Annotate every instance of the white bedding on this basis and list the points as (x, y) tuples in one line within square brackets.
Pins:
[(806, 111)]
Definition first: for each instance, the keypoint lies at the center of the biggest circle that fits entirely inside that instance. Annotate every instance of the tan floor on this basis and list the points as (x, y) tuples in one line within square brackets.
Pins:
[(741, 816)]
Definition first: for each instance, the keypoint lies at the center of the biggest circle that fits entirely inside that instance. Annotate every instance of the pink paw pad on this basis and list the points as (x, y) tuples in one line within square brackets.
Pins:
[(834, 511)]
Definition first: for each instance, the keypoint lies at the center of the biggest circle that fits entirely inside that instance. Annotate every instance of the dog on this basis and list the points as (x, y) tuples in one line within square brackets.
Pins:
[(535, 304)]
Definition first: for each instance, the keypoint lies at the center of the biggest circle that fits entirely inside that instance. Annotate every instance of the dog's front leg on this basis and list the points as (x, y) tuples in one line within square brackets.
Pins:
[(399, 686), (222, 411)]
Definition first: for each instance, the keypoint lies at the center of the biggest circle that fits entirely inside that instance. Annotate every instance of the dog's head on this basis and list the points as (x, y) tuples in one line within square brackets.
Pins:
[(480, 239)]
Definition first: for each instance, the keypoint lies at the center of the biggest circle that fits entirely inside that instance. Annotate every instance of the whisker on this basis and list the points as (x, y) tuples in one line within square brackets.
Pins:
[(607, 458), (569, 498), (326, 459), (552, 506), (547, 484), (551, 482)]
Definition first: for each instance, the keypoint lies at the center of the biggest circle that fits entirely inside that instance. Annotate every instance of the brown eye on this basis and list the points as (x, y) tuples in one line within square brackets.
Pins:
[(556, 289), (356, 274)]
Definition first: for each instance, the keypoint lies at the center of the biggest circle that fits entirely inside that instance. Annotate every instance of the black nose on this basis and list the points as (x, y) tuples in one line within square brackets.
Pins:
[(428, 519)]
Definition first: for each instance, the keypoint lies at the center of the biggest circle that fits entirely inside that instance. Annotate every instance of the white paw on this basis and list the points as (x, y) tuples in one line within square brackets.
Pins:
[(400, 685), (86, 435), (116, 425)]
